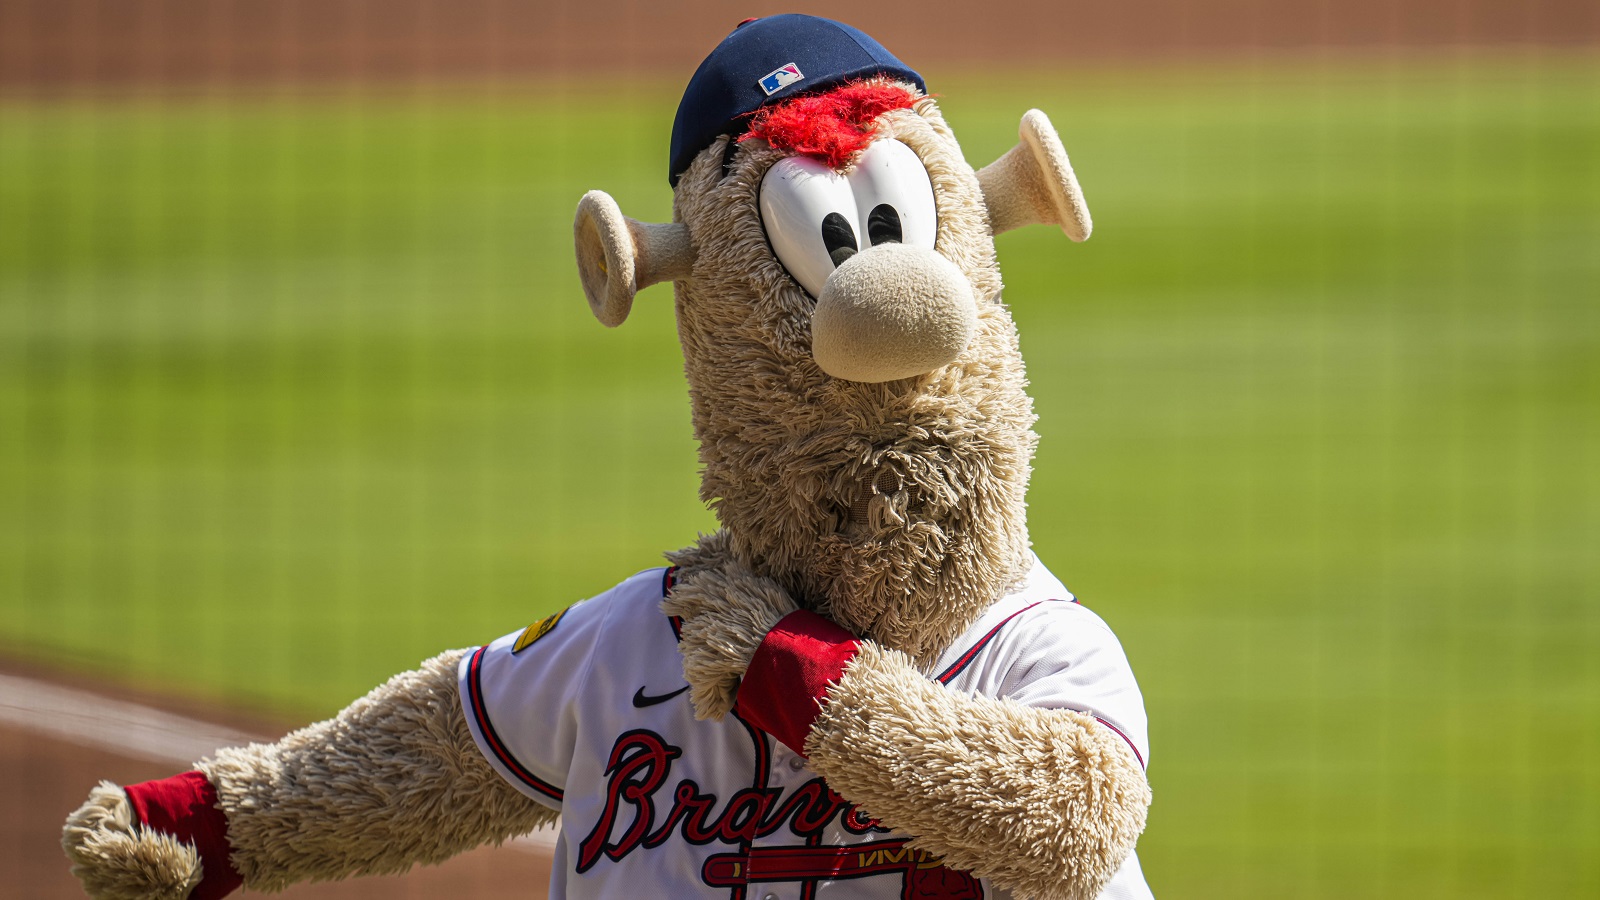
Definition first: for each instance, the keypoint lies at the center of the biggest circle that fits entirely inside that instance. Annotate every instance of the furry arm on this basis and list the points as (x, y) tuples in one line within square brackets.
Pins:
[(726, 610), (393, 780), (1045, 802)]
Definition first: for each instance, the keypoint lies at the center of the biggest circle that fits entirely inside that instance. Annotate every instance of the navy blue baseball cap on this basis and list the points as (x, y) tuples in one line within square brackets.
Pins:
[(767, 60)]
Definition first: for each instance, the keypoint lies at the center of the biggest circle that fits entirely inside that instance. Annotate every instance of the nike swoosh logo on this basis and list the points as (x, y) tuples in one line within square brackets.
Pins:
[(640, 701)]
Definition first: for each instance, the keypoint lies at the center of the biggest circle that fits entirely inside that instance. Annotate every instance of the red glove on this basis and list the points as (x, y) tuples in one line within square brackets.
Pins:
[(783, 690), (185, 807)]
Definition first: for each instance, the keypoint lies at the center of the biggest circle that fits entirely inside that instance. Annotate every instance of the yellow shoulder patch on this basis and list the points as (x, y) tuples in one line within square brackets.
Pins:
[(537, 630)]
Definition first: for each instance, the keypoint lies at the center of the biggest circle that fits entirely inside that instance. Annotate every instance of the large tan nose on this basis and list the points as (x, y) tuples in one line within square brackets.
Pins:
[(892, 311)]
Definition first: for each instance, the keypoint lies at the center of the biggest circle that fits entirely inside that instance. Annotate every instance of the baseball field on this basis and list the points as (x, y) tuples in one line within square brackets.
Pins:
[(298, 389)]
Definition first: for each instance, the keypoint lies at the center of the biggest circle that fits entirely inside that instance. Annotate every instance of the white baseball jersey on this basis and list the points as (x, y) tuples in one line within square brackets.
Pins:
[(587, 712)]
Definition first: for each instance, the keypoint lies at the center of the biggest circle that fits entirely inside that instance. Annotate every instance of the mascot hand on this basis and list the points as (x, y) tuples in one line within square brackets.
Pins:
[(165, 839), (726, 611)]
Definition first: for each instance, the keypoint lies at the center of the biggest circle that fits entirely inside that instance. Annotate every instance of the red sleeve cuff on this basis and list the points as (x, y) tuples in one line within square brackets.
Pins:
[(789, 675), (185, 806)]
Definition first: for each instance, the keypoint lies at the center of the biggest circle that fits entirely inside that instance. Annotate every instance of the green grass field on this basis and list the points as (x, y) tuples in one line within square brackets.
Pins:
[(296, 391)]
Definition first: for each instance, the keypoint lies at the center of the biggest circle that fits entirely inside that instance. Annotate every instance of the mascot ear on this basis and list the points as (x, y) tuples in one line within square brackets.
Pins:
[(1033, 183), (618, 257)]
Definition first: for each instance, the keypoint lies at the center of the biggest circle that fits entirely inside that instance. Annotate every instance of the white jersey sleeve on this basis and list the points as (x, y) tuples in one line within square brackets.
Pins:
[(521, 695), (1070, 659), (1040, 647)]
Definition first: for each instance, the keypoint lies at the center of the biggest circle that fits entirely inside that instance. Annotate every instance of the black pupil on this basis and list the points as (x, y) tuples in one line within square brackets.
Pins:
[(883, 225), (838, 238)]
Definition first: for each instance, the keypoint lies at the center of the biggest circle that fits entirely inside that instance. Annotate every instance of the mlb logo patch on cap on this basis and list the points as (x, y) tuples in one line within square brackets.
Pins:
[(780, 78)]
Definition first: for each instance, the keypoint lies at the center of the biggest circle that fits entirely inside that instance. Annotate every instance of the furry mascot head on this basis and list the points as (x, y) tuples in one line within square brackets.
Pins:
[(888, 694), (857, 390)]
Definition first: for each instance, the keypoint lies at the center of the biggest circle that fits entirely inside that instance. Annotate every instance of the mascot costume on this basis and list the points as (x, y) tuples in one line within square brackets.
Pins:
[(864, 684)]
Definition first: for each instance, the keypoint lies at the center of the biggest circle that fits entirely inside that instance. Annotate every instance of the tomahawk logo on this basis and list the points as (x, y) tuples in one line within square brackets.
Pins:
[(780, 78)]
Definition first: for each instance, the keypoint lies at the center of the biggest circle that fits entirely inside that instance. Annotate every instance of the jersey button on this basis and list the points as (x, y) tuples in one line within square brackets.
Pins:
[(770, 897), (796, 763)]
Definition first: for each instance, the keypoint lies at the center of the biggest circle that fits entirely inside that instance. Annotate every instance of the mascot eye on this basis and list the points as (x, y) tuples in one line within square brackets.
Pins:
[(816, 218), (810, 217), (893, 196)]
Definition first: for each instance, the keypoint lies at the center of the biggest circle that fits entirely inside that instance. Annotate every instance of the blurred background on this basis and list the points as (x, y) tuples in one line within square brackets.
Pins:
[(298, 386)]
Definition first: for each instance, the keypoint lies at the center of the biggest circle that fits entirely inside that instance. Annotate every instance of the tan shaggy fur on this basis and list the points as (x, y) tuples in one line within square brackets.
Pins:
[(117, 861), (1046, 802), (895, 509), (394, 779), (726, 611)]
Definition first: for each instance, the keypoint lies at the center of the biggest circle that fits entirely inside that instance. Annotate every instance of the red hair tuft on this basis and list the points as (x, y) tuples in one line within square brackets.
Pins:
[(831, 126)]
